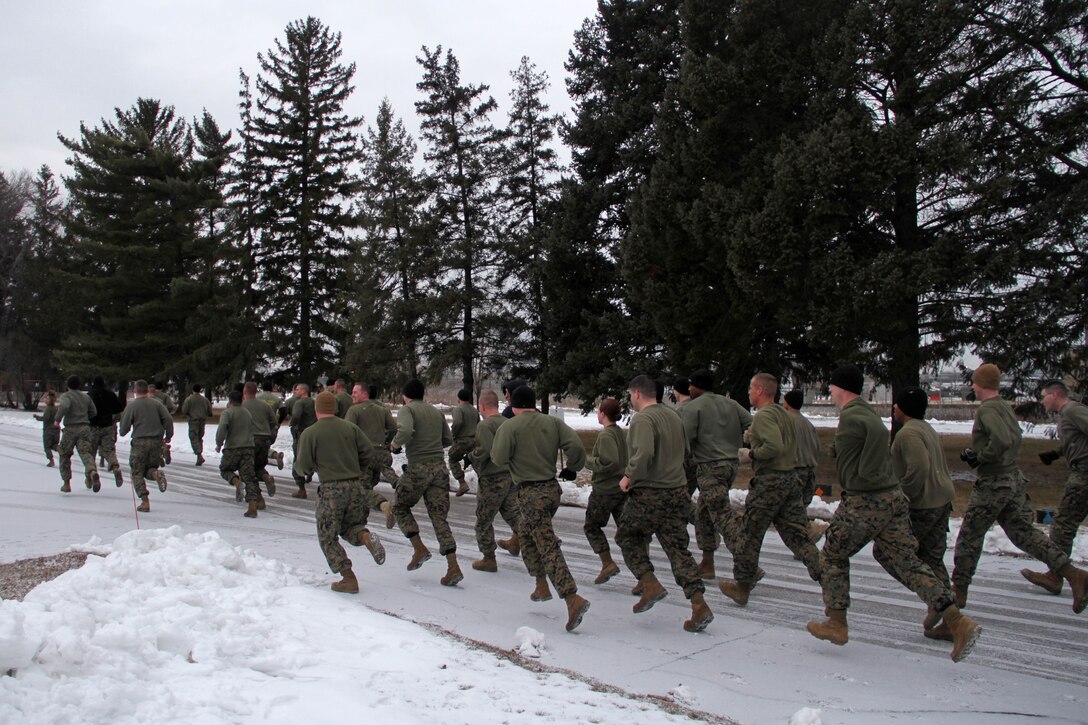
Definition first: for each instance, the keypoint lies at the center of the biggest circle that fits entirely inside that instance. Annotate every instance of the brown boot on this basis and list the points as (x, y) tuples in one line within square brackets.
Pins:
[(453, 571), (251, 510), (834, 630), (487, 563), (261, 505), (420, 553), (940, 632), (964, 630), (511, 546), (542, 593), (701, 615), (348, 584), (931, 619), (1078, 584), (239, 492), (636, 590), (576, 609), (66, 487), (706, 566), (462, 487), (652, 593), (735, 590), (373, 544), (387, 509), (1047, 580), (608, 568), (269, 483), (301, 492), (959, 595), (145, 504), (117, 477)]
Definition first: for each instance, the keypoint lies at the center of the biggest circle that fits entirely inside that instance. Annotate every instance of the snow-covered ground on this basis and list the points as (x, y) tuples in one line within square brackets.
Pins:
[(202, 616)]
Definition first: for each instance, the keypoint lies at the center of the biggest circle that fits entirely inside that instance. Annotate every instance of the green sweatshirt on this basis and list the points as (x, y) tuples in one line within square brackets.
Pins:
[(235, 428), (465, 420), (656, 448), (485, 439), (374, 420), (334, 449), (1073, 430), (75, 408), (196, 407), (48, 416), (264, 418), (423, 432), (862, 457), (918, 462), (528, 445), (714, 425), (808, 444), (343, 403), (147, 418), (996, 437), (608, 459), (303, 414), (774, 440)]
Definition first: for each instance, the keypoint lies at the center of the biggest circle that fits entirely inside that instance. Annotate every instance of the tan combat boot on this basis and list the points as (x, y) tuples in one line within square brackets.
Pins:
[(462, 487), (239, 492), (453, 571), (66, 486), (1047, 580), (487, 563), (269, 483), (735, 590), (706, 566), (931, 619), (373, 544), (387, 508), (636, 590), (652, 593), (348, 584), (939, 632), (964, 631), (542, 593), (576, 609), (701, 615), (301, 492), (834, 630), (608, 568), (251, 510), (420, 553), (145, 504), (117, 477), (261, 505), (1078, 584), (511, 546)]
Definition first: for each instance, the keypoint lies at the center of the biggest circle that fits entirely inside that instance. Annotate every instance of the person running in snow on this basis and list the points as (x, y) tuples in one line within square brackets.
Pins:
[(50, 431), (152, 428)]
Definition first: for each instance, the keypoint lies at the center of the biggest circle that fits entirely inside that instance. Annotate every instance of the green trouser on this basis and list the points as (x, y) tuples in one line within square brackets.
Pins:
[(460, 448), (143, 458), (431, 482), (662, 512), (773, 499), (1071, 511), (240, 460), (495, 495), (341, 512), (76, 438), (930, 528), (540, 548), (601, 507), (196, 435), (714, 512)]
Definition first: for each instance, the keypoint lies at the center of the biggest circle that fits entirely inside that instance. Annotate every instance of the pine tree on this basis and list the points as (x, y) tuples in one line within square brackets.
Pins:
[(462, 153), (307, 146)]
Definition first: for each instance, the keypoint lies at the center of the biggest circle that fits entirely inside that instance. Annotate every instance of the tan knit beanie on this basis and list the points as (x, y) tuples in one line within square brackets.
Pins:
[(325, 403), (987, 376)]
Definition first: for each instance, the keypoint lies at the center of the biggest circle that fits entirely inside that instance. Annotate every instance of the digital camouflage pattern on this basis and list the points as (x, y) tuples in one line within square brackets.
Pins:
[(773, 499), (461, 447), (930, 528), (662, 512), (495, 495), (883, 518), (76, 438), (1071, 511), (342, 511), (240, 460), (537, 504), (431, 482), (714, 481), (144, 457), (104, 443), (602, 506), (1002, 498)]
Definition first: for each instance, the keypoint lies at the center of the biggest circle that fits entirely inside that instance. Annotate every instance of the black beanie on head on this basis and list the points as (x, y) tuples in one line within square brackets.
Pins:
[(913, 402), (702, 379), (796, 398), (680, 385), (848, 377), (523, 397), (414, 389)]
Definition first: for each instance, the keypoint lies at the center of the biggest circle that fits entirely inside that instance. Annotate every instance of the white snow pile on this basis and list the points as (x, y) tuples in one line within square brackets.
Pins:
[(176, 628), (530, 642), (807, 716)]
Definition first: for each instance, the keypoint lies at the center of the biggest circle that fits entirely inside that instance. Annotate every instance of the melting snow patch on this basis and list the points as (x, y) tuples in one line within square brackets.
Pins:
[(806, 716), (530, 642)]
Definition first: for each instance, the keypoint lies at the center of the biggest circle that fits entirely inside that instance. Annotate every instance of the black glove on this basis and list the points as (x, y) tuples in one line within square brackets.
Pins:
[(1048, 457), (968, 456), (568, 474)]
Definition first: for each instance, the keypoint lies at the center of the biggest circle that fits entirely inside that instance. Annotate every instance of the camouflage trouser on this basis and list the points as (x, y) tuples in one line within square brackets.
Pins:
[(537, 503), (806, 475), (773, 499), (196, 435), (240, 460), (602, 506), (460, 448), (50, 440), (77, 438), (494, 495), (714, 515), (883, 518), (431, 482), (261, 446), (341, 512), (387, 474), (1003, 499), (104, 441), (930, 528), (144, 457), (664, 512), (1071, 511)]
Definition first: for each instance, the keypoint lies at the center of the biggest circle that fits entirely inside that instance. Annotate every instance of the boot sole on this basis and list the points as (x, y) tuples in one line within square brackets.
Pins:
[(118, 479), (374, 545), (740, 599), (452, 581), (577, 618), (270, 485), (832, 640), (162, 482), (337, 587), (969, 645), (604, 576), (1037, 580), (413, 565), (646, 606), (536, 598), (96, 483), (698, 625)]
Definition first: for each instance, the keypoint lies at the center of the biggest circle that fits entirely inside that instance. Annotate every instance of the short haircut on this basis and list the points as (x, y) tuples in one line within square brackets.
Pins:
[(489, 399), (1058, 387), (766, 381), (196, 387), (267, 386), (464, 395), (611, 409), (140, 386), (341, 383), (250, 389), (235, 397), (73, 382), (304, 386), (643, 384)]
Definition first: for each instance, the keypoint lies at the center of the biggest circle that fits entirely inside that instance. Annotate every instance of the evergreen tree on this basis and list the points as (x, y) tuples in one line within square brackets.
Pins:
[(463, 154), (15, 251), (307, 147)]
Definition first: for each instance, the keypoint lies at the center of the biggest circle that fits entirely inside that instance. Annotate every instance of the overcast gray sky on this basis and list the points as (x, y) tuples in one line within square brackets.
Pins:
[(69, 61)]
